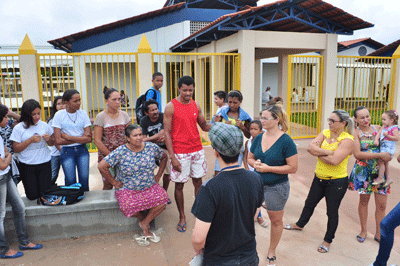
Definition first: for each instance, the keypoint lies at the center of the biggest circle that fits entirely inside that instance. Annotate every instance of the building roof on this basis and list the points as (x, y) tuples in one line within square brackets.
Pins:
[(387, 50), (352, 43), (313, 16), (231, 4), (65, 43)]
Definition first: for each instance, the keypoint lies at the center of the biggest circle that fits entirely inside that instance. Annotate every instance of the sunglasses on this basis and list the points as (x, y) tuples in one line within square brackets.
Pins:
[(332, 121)]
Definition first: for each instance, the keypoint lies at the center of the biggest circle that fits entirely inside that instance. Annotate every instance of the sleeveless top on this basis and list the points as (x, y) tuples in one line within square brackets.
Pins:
[(184, 132), (248, 149), (329, 171)]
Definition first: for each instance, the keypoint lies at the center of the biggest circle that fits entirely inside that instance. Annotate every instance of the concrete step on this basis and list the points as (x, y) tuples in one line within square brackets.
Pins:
[(97, 213)]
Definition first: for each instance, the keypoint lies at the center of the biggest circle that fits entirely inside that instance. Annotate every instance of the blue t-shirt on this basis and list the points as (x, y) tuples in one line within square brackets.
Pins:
[(150, 95), (276, 155)]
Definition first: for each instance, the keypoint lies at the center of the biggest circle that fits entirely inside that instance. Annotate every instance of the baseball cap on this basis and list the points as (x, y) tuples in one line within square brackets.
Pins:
[(226, 139)]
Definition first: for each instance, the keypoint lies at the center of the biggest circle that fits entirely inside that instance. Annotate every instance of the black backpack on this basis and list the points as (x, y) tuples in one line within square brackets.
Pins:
[(139, 105), (63, 195)]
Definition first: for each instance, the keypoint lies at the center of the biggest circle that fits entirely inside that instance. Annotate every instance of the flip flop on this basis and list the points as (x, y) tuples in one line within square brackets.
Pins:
[(271, 260), (264, 224), (377, 239), (16, 255), (181, 229), (154, 238), (141, 240), (322, 249), (360, 239), (388, 183), (289, 227), (38, 246), (169, 201)]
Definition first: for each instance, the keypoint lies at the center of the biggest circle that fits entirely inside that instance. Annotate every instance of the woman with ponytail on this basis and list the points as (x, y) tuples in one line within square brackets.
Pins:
[(273, 155), (332, 147)]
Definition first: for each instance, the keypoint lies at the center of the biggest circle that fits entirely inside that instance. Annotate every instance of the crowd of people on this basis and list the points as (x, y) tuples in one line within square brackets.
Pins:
[(247, 175)]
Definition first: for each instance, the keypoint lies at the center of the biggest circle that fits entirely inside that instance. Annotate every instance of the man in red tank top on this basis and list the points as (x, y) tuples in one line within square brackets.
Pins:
[(183, 142)]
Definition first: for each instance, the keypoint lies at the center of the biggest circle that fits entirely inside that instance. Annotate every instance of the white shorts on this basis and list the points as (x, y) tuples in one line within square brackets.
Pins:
[(167, 169), (194, 165)]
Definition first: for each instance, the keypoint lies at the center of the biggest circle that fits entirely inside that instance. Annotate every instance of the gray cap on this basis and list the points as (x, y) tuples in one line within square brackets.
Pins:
[(226, 139)]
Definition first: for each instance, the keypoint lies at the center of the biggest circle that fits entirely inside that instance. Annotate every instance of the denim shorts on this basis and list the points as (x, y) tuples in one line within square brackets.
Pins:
[(276, 196)]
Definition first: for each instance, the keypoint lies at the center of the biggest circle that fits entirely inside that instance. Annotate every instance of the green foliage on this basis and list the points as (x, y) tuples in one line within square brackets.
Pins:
[(305, 118)]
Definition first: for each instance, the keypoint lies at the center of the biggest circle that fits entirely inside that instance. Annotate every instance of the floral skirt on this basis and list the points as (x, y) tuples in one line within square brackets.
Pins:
[(362, 176), (132, 201)]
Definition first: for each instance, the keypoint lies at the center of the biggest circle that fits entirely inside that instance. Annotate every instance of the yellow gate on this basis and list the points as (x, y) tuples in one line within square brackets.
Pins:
[(365, 81), (211, 72), (304, 95), (88, 73), (10, 82)]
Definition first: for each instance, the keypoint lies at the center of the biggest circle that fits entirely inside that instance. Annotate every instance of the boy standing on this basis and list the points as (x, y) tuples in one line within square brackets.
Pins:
[(158, 81)]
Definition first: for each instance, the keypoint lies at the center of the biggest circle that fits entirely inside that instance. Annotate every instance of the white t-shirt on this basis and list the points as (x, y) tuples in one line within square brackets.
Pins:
[(53, 149), (73, 124), (3, 155), (35, 153)]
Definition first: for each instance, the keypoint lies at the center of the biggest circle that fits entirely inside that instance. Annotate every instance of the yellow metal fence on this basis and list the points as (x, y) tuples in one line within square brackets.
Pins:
[(211, 73), (10, 82), (304, 95), (365, 81), (88, 73)]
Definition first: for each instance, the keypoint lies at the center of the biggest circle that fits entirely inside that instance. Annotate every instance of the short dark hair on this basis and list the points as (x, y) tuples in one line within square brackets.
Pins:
[(68, 95), (187, 80), (156, 74), (220, 94), (235, 94), (3, 111), (26, 112), (130, 128), (257, 122), (107, 91), (358, 108), (148, 103), (228, 159)]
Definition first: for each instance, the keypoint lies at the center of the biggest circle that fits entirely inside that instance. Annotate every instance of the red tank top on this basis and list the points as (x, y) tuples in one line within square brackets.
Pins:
[(184, 132)]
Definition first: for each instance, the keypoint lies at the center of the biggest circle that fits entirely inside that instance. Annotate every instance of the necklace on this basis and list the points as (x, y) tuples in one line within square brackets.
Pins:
[(76, 117)]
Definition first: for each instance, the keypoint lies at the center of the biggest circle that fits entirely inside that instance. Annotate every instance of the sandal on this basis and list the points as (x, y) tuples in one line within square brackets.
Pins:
[(360, 239), (290, 227), (271, 260), (154, 238), (141, 240), (322, 249)]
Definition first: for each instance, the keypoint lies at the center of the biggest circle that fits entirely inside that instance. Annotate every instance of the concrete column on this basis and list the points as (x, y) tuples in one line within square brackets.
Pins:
[(283, 78), (396, 87), (329, 78), (145, 68), (246, 48), (257, 90), (28, 70)]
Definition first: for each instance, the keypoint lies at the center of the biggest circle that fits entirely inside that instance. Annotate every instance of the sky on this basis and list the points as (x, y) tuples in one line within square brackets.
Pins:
[(45, 20)]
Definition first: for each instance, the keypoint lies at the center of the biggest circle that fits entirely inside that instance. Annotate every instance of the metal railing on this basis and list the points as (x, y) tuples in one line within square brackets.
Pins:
[(88, 73), (365, 81), (304, 95), (10, 82), (211, 73)]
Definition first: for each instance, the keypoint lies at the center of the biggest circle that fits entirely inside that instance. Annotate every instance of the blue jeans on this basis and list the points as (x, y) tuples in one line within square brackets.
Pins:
[(55, 168), (388, 224), (251, 260), (75, 156), (9, 191)]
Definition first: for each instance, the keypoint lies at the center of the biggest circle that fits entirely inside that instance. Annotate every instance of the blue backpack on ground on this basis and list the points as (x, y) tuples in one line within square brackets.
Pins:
[(139, 105), (63, 195)]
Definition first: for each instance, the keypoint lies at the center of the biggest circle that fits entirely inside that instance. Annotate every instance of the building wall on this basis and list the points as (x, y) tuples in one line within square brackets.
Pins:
[(354, 51), (160, 40)]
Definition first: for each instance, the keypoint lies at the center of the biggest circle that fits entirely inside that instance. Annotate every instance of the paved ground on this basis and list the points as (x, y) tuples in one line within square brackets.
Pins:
[(295, 249)]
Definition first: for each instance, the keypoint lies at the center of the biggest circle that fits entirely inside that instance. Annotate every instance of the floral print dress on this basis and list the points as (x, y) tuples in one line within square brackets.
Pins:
[(365, 171)]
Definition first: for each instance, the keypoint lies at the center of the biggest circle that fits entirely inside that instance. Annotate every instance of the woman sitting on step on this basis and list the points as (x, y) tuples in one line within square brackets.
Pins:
[(137, 188)]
